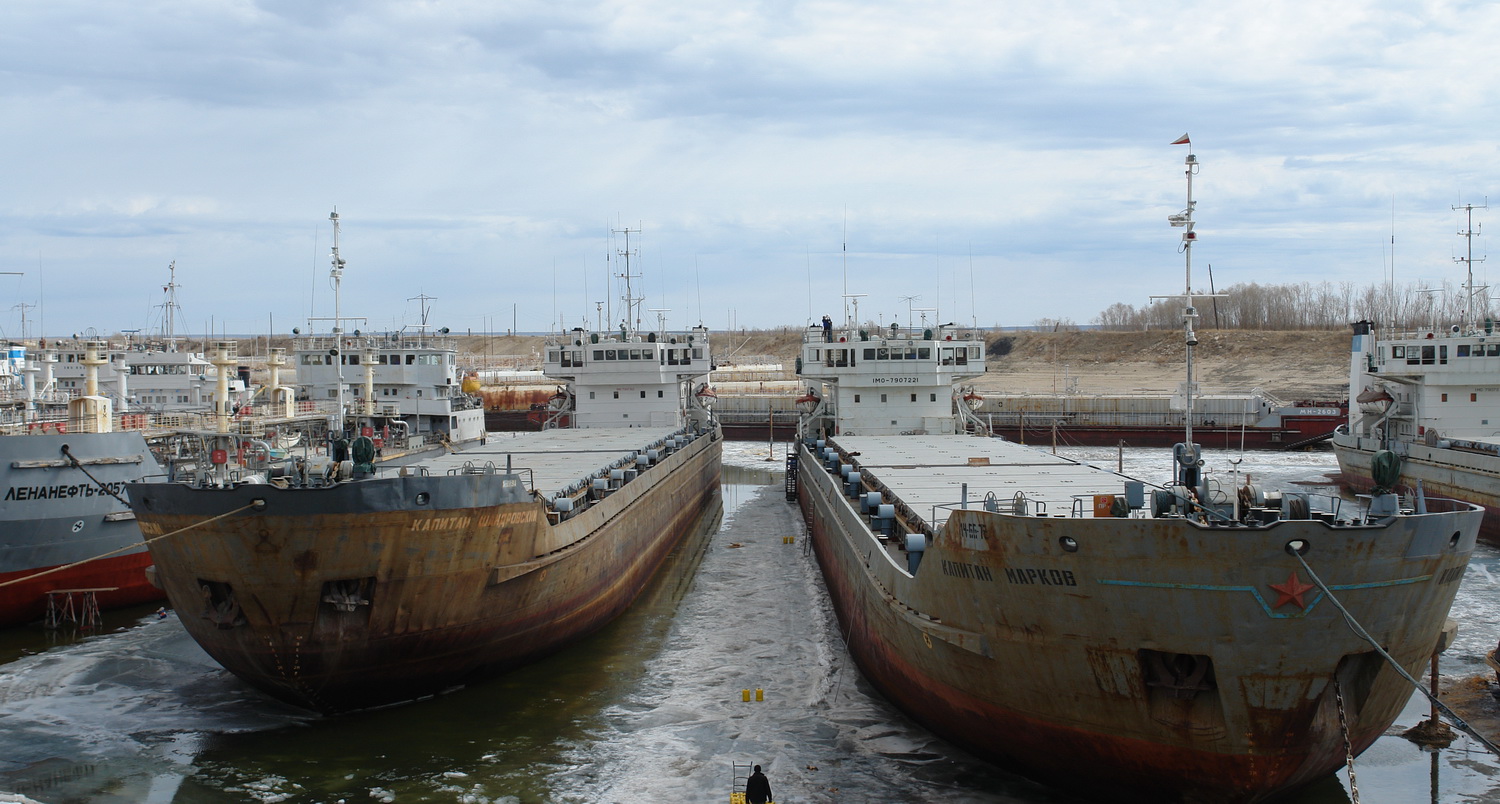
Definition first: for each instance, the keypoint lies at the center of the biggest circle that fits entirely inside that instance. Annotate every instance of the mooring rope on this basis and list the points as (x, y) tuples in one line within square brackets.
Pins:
[(1360, 632), (35, 575)]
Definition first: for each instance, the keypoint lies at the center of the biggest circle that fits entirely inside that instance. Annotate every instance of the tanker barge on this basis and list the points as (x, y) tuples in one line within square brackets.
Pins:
[(1173, 642), (343, 584)]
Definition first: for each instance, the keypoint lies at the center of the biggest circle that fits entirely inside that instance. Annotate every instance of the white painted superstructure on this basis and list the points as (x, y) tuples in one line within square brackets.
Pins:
[(407, 377), (888, 380), (630, 376), (1431, 397), (628, 379), (144, 376)]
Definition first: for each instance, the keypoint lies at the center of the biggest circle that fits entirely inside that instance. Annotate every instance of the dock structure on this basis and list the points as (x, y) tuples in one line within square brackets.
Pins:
[(84, 612)]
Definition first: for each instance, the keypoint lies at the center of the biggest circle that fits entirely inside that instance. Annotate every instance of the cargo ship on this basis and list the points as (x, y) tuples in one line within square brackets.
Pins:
[(1181, 641), (1428, 396), (71, 547), (338, 585)]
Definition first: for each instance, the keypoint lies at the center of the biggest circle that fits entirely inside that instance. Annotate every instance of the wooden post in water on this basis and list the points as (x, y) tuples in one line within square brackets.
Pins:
[(1434, 716), (770, 430)]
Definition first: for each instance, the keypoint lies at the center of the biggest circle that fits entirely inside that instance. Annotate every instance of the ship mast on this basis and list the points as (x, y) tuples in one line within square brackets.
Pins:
[(1189, 311), (336, 273), (169, 306), (1468, 233), (1187, 453), (632, 322)]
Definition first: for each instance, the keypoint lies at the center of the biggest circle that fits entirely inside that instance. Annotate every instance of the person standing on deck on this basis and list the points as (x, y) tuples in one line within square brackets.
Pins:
[(827, 329), (757, 788)]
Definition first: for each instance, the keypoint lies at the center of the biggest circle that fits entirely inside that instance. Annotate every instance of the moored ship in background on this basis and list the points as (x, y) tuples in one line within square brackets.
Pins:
[(152, 375), (404, 385), (344, 584), (1254, 420), (1429, 396), (1181, 642), (71, 546)]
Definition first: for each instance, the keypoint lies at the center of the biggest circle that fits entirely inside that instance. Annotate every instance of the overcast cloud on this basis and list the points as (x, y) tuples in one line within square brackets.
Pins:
[(480, 152)]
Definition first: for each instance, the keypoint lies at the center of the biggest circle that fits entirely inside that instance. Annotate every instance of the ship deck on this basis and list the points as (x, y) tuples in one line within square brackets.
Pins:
[(555, 458), (927, 473)]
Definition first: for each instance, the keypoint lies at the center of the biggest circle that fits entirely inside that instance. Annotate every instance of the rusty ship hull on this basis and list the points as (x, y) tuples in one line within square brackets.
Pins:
[(390, 589), (1159, 657)]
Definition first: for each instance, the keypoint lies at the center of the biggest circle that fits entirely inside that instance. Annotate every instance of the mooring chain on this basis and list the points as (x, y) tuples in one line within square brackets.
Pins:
[(1360, 632), (1338, 696), (256, 504)]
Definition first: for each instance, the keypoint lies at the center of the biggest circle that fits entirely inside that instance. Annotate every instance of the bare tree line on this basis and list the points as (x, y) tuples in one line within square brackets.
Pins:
[(1304, 305)]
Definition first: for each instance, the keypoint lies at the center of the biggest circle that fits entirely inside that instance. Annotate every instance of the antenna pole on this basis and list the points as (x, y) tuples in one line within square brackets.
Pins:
[(423, 307), (1468, 234), (23, 307)]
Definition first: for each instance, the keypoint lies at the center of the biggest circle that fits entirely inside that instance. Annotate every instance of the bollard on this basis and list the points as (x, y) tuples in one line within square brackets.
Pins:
[(760, 694), (745, 696)]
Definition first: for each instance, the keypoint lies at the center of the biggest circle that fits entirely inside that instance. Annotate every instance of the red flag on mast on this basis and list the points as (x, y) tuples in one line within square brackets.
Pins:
[(1183, 140)]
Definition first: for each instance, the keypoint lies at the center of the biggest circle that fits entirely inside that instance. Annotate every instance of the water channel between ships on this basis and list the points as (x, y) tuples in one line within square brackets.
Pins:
[(649, 710)]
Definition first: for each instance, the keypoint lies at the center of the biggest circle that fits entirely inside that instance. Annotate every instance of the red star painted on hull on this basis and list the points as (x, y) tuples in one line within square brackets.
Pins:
[(1291, 591)]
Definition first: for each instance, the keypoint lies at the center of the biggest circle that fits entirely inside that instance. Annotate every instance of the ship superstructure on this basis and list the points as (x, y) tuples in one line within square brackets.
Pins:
[(1429, 397)]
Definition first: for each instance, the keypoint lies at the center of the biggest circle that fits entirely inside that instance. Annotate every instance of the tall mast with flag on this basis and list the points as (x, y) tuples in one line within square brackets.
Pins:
[(1187, 454), (1184, 219)]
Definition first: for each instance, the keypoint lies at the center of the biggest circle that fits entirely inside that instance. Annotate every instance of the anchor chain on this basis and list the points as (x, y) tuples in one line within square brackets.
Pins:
[(80, 467), (1338, 696), (1360, 632)]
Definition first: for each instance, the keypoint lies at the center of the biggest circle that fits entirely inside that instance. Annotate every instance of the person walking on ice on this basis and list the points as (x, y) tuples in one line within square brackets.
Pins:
[(757, 788)]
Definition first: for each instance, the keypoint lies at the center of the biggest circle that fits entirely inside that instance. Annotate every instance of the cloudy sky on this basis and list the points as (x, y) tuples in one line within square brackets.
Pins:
[(1000, 161)]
